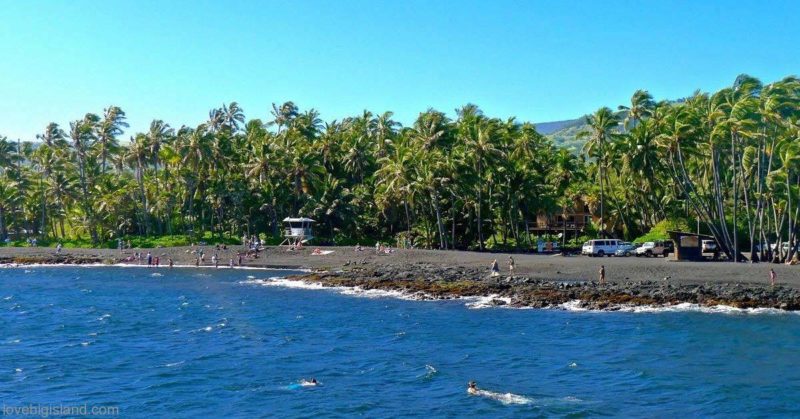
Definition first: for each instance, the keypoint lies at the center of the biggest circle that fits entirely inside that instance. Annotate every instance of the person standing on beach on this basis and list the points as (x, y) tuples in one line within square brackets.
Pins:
[(169, 260), (157, 261), (495, 268), (197, 262), (511, 266), (149, 259), (602, 274), (230, 263), (772, 277), (58, 247)]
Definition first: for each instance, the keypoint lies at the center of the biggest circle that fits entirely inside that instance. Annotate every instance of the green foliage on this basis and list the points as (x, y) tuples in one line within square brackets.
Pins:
[(659, 231), (455, 181)]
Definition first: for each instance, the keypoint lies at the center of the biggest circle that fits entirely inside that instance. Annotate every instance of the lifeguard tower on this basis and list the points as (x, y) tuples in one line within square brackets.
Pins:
[(297, 231)]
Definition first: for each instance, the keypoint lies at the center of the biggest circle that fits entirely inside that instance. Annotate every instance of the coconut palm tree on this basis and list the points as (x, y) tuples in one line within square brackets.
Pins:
[(602, 124)]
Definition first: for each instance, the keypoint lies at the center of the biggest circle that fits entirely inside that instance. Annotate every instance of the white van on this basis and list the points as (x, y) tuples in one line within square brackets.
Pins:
[(604, 247)]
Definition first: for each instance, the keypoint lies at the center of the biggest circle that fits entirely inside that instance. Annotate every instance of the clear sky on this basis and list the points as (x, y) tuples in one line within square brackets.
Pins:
[(538, 60)]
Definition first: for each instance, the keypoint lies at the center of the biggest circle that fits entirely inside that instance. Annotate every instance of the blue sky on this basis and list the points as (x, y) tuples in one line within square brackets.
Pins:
[(538, 60)]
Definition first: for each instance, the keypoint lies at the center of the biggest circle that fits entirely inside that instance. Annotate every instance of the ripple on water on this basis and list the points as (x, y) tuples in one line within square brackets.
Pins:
[(152, 355)]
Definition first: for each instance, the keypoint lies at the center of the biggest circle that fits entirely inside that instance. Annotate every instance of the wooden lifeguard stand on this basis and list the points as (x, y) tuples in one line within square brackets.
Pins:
[(297, 231)]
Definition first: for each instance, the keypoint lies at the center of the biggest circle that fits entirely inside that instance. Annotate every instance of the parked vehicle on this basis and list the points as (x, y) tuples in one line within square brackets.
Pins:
[(656, 248), (604, 247), (709, 246), (626, 249)]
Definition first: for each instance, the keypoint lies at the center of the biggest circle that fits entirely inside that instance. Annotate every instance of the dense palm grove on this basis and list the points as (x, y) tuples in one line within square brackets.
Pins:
[(728, 159)]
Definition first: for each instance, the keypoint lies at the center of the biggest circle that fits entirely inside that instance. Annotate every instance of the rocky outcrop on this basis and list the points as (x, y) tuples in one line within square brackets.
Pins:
[(435, 282), (55, 259)]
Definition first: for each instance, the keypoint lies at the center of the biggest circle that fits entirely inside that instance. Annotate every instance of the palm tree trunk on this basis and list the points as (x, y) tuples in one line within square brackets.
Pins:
[(480, 204), (435, 197), (602, 202), (43, 224), (3, 231), (735, 201)]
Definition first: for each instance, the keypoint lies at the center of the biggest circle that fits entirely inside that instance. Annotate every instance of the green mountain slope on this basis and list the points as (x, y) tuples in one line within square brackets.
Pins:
[(564, 133)]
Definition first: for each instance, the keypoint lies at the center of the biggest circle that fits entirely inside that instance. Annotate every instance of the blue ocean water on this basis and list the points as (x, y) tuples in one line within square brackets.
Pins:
[(204, 342)]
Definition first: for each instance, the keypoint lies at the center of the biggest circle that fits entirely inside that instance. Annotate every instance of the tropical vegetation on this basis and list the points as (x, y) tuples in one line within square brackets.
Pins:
[(728, 161)]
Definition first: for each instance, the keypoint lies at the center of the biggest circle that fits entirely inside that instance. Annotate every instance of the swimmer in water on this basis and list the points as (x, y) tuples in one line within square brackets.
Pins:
[(309, 383), (472, 387)]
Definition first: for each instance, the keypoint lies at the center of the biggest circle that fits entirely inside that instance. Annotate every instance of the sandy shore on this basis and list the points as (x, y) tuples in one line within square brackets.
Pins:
[(543, 267)]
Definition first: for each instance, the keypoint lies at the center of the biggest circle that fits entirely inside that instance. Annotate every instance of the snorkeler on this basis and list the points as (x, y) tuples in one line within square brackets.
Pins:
[(472, 387)]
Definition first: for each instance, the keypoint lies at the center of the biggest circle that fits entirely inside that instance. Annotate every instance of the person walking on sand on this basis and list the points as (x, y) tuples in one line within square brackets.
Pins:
[(495, 268), (602, 274), (772, 277), (511, 266), (169, 261)]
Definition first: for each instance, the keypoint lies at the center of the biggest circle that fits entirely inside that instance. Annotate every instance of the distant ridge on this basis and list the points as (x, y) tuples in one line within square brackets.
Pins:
[(547, 128), (564, 133)]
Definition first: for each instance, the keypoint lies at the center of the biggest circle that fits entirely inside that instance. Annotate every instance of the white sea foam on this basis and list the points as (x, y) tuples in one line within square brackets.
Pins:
[(488, 301), (285, 283), (156, 274), (504, 398), (174, 364), (575, 305), (353, 291), (491, 301), (430, 372)]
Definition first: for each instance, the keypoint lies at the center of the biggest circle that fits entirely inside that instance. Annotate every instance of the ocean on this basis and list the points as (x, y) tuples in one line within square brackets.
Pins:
[(205, 342)]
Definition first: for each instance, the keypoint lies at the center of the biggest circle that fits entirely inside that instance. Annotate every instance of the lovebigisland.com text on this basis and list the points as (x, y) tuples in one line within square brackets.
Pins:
[(52, 410)]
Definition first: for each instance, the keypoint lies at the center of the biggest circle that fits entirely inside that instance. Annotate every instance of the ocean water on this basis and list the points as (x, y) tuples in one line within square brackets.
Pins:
[(213, 343)]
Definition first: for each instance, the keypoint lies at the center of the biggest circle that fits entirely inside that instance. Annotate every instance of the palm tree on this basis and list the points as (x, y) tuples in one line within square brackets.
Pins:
[(107, 131), (82, 135), (478, 136), (642, 106), (601, 126)]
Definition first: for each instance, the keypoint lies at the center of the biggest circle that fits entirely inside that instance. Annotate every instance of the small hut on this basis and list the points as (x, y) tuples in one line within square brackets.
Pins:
[(297, 231), (688, 246)]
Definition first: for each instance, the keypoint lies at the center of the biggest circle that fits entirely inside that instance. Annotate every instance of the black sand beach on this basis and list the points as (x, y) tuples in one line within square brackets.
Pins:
[(538, 280)]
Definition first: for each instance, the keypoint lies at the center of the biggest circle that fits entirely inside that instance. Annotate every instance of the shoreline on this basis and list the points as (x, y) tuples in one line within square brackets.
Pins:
[(422, 282), (540, 281)]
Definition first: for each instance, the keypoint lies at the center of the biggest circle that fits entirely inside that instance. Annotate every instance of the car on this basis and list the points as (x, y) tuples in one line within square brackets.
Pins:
[(656, 248), (626, 249), (709, 246), (601, 247)]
